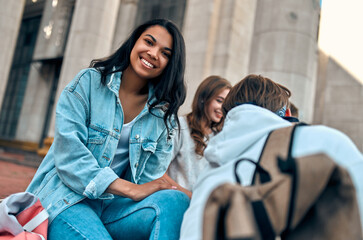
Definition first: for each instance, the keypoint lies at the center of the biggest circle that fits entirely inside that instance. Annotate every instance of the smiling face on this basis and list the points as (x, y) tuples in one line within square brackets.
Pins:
[(151, 52), (214, 106)]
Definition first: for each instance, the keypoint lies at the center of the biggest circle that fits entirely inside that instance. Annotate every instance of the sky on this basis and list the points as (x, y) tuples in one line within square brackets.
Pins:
[(341, 33)]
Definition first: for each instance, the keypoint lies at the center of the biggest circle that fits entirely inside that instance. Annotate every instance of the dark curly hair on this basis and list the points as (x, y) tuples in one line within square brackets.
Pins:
[(169, 86)]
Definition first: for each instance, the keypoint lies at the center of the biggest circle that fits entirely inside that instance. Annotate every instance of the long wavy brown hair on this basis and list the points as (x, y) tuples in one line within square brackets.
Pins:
[(257, 90), (207, 90)]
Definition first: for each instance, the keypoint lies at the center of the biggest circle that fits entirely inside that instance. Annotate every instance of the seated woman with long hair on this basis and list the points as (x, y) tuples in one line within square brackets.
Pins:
[(196, 128), (103, 176)]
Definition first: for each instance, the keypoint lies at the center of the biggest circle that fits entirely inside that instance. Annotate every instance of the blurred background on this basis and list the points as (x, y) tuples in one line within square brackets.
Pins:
[(310, 46)]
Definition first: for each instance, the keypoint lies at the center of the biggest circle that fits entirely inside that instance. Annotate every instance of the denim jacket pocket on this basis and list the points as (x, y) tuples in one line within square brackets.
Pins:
[(95, 141), (149, 146)]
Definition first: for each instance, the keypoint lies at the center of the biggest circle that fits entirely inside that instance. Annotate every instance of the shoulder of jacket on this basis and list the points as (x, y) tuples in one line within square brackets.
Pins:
[(84, 77), (323, 131), (324, 137)]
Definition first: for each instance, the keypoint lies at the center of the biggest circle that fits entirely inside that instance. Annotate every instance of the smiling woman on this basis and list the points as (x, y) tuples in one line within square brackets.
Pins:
[(112, 145), (196, 128), (150, 54)]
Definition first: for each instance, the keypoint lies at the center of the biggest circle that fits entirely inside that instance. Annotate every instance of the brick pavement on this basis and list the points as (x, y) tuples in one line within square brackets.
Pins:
[(14, 178), (17, 169)]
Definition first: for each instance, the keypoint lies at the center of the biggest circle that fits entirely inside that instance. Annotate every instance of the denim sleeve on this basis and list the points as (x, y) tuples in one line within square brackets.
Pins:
[(76, 166), (159, 161)]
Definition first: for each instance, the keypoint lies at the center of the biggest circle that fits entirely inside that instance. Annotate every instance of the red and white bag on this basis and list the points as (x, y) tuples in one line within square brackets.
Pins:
[(22, 216)]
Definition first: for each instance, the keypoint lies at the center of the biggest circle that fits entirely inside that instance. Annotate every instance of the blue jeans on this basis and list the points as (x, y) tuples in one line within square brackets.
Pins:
[(158, 216)]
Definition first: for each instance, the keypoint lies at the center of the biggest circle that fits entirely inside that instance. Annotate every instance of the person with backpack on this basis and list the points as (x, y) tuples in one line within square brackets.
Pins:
[(253, 108), (103, 175)]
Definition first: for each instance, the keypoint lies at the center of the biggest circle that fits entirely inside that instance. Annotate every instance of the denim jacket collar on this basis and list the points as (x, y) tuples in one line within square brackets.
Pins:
[(114, 82)]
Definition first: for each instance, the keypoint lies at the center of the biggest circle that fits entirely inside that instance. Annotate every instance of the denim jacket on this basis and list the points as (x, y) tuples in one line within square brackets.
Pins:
[(89, 118)]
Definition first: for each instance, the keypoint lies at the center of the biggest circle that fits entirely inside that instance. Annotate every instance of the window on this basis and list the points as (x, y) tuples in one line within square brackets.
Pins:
[(18, 77), (169, 9)]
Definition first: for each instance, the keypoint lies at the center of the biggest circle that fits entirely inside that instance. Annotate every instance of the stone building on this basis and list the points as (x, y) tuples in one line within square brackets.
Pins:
[(44, 43)]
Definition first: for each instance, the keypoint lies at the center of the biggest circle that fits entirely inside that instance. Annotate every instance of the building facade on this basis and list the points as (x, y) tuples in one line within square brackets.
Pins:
[(44, 43)]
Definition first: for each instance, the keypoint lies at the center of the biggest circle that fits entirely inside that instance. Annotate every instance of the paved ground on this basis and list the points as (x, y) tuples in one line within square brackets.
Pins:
[(16, 171), (14, 178)]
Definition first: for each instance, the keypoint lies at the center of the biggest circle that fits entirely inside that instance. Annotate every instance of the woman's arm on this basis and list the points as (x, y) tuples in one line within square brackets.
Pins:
[(76, 166), (137, 192)]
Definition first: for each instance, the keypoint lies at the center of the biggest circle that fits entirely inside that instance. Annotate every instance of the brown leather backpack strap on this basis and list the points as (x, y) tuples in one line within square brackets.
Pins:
[(276, 159), (283, 162), (277, 144)]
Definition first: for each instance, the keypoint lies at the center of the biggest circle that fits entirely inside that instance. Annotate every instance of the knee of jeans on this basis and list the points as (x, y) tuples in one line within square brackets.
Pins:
[(171, 202), (149, 216)]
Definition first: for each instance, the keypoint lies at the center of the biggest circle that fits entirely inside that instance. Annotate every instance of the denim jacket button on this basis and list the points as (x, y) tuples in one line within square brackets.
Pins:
[(137, 136), (116, 130), (136, 165)]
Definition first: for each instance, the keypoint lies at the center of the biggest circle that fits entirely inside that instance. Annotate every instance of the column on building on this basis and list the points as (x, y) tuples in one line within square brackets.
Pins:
[(232, 48), (125, 22), (285, 48), (91, 36), (218, 37), (10, 17)]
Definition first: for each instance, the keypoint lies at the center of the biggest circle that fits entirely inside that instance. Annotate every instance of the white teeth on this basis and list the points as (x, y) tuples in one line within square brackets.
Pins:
[(147, 63)]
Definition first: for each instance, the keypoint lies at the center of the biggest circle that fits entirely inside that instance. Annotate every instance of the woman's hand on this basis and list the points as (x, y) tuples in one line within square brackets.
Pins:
[(138, 192), (141, 191), (177, 186)]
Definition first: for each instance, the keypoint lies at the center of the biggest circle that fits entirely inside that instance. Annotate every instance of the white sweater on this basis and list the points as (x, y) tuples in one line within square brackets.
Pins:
[(185, 165)]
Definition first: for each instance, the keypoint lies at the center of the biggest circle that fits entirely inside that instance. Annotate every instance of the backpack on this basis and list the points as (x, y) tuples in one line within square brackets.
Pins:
[(309, 197), (22, 216)]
